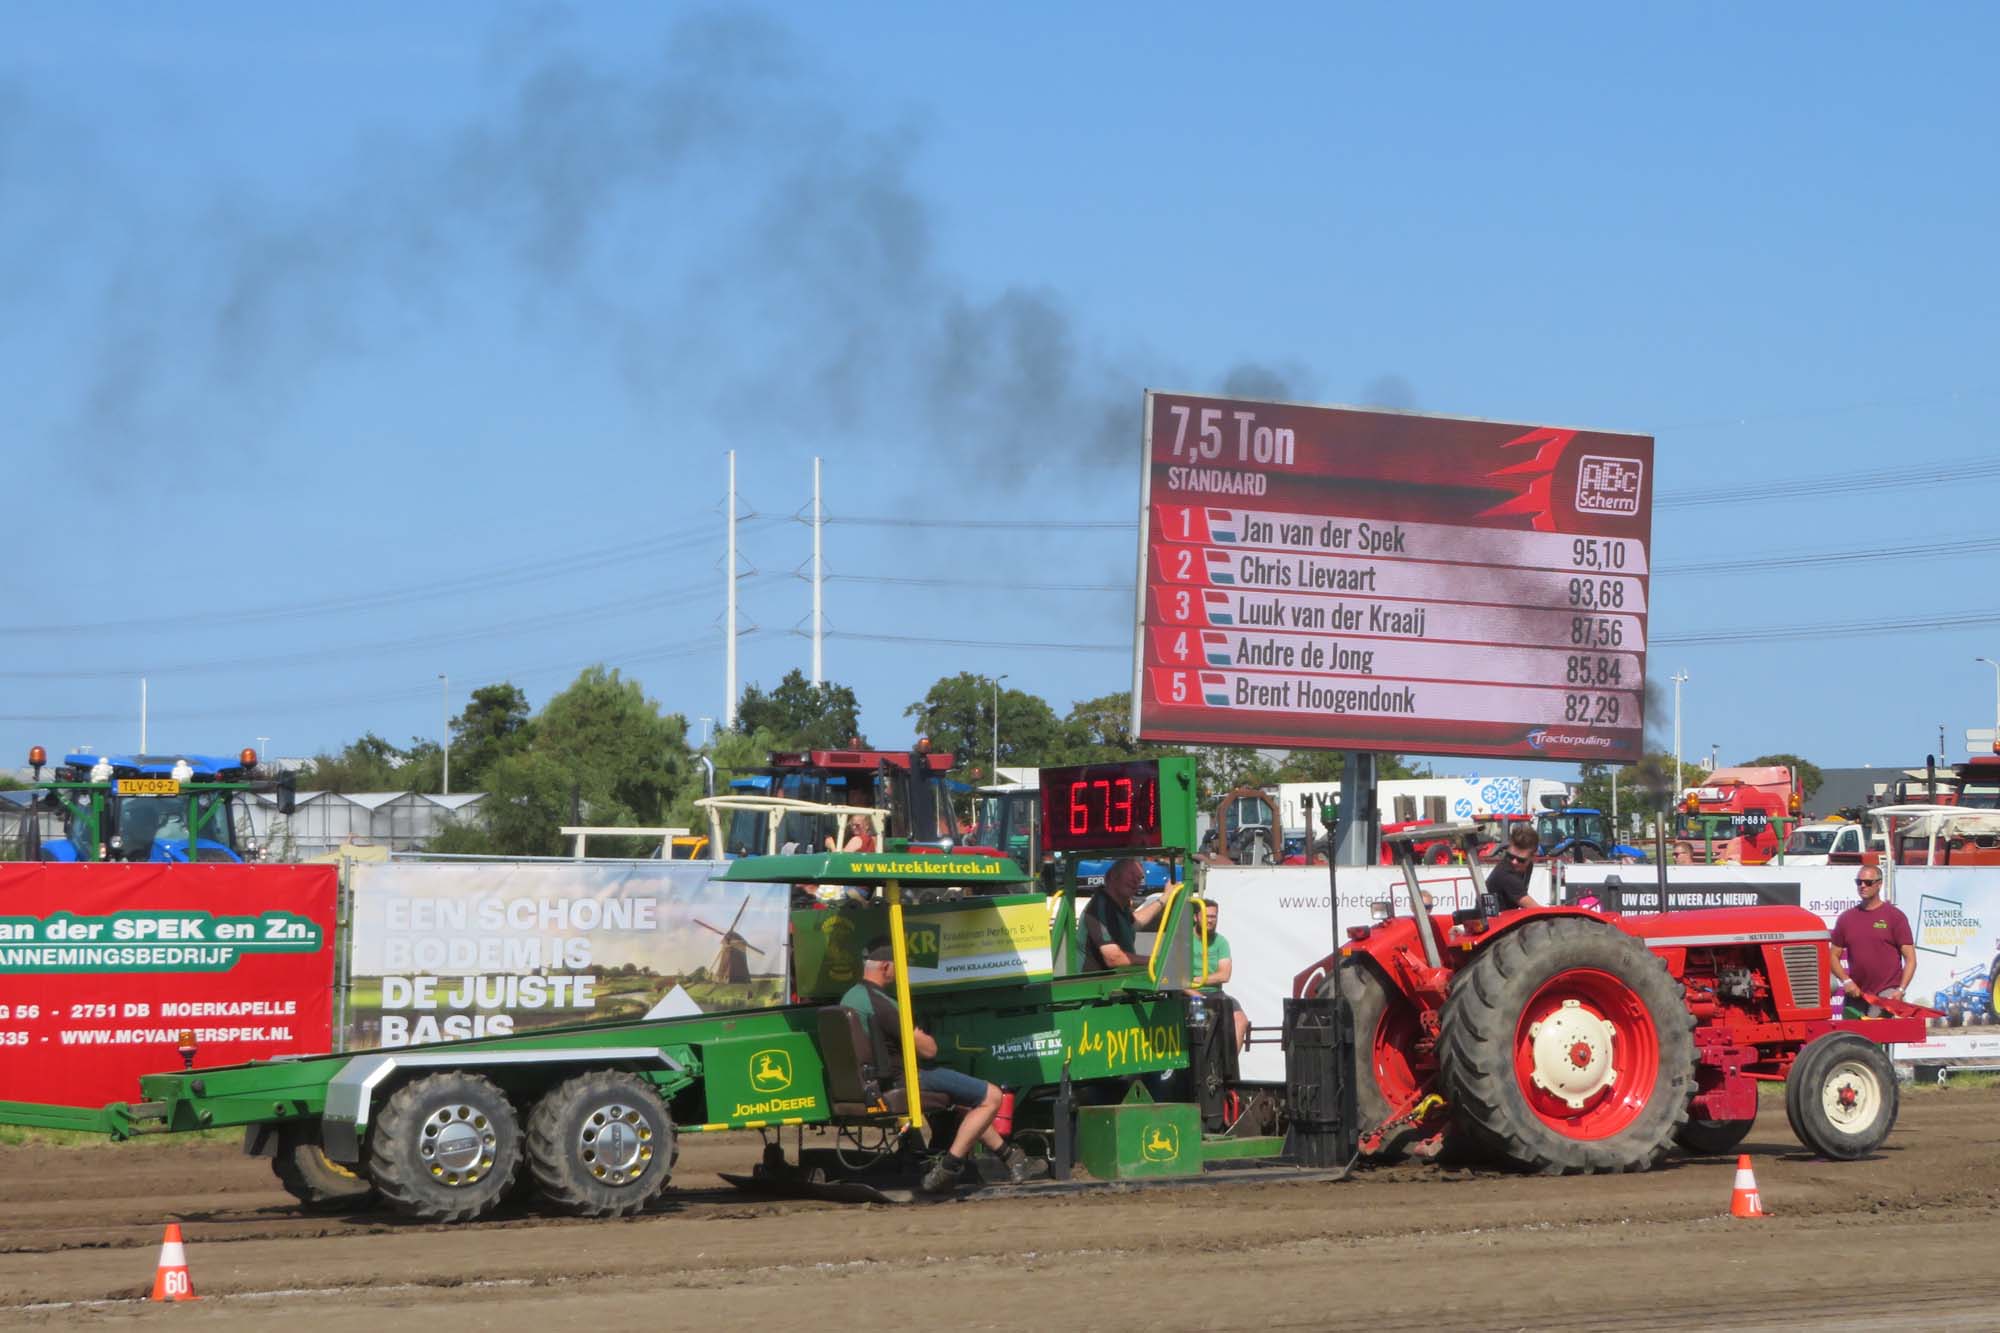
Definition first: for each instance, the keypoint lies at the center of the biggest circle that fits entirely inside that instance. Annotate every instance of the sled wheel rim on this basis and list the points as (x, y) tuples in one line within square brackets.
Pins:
[(1586, 1054)]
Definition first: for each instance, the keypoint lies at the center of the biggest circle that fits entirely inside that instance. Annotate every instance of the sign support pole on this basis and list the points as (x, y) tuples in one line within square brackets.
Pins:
[(1356, 835)]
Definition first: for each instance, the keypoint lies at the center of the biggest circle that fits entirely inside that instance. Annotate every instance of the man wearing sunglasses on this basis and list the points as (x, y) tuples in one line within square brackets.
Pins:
[(1881, 953), (1508, 881)]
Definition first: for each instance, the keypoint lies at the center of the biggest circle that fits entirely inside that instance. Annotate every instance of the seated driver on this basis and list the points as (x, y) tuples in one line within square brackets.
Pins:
[(1110, 922), (977, 1100)]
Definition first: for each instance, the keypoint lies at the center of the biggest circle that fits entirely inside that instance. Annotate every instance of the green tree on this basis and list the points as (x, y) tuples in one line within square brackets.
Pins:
[(495, 723), (800, 714), (1639, 785), (956, 714), (629, 761), (529, 797), (1808, 774), (367, 764), (462, 837)]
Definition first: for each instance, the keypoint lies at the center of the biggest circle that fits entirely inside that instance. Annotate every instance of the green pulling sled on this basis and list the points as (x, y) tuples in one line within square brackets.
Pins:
[(1126, 1072)]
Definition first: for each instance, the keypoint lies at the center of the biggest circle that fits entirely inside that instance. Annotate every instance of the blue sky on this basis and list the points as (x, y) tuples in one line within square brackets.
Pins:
[(345, 347)]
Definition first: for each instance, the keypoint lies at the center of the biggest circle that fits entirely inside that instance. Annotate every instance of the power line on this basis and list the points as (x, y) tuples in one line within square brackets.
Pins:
[(1886, 479), (1123, 649), (456, 586), (342, 652), (1940, 550), (1846, 629), (652, 652), (987, 584), (1002, 524)]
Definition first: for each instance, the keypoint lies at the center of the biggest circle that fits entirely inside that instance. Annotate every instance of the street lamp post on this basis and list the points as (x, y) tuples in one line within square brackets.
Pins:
[(1996, 689), (996, 726), (444, 726), (264, 748), (1680, 678)]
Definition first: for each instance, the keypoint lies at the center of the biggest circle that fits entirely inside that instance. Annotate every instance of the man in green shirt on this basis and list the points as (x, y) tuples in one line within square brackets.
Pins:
[(1219, 969), (977, 1101)]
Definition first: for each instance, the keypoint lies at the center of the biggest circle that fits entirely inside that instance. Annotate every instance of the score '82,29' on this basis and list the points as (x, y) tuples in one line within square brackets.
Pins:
[(1253, 443)]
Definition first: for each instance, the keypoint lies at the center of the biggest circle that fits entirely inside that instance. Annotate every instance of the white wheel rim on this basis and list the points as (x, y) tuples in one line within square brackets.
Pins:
[(1572, 1050), (1851, 1096), (615, 1143)]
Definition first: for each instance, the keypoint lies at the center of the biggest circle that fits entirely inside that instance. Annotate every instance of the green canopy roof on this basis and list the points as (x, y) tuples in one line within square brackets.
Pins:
[(875, 867)]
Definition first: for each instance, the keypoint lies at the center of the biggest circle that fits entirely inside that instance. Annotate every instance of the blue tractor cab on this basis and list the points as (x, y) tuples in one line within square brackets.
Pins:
[(169, 808), (1579, 833)]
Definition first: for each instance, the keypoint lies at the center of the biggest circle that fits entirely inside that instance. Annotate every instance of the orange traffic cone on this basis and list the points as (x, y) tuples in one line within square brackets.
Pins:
[(1743, 1200), (171, 1281)]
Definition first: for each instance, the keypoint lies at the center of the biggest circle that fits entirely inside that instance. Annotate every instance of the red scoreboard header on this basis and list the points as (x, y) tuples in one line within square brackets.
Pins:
[(1318, 576)]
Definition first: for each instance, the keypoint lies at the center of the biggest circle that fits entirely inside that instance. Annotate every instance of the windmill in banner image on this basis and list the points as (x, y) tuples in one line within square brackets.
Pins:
[(732, 960)]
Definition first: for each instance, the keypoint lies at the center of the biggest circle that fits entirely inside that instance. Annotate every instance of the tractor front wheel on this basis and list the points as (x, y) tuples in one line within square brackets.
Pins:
[(600, 1144), (1713, 1138), (1564, 1048), (445, 1147), (320, 1184), (1841, 1096), (1387, 1081)]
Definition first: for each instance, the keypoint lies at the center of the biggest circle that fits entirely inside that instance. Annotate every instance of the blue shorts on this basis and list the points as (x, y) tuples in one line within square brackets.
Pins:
[(963, 1089)]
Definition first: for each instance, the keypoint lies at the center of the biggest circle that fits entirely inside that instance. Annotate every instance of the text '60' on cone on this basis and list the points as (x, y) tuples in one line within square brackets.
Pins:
[(1743, 1199), (171, 1281)]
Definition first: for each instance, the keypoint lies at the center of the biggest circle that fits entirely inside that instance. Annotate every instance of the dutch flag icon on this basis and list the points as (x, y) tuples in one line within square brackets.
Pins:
[(1219, 570), (1217, 606), (1222, 525), (1215, 689), (1215, 647)]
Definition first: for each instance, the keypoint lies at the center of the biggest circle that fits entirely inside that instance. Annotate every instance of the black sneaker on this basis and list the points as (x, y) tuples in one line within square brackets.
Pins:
[(942, 1177)]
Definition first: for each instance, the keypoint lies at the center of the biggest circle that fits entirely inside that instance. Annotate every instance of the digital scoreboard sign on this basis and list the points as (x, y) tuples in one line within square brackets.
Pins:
[(1336, 578), (1137, 805)]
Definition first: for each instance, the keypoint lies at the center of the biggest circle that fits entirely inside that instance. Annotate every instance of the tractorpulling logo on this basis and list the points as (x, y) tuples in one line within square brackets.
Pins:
[(1542, 737)]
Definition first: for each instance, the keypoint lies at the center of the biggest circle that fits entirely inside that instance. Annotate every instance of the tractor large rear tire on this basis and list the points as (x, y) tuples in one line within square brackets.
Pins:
[(1386, 1028), (600, 1144), (1565, 1048), (1841, 1096), (445, 1147)]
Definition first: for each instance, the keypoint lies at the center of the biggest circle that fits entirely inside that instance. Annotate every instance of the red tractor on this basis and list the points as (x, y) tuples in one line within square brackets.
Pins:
[(1562, 1040)]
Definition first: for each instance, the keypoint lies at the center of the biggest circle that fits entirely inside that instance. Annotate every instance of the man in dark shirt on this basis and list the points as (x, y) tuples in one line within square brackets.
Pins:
[(1110, 922), (977, 1100), (1881, 952), (1508, 881)]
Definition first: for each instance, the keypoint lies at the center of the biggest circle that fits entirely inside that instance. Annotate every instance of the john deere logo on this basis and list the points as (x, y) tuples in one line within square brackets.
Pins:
[(771, 1071), (923, 942), (1162, 1143)]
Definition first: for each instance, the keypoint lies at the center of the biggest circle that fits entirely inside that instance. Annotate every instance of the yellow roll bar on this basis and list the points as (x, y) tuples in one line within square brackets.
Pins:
[(906, 1025)]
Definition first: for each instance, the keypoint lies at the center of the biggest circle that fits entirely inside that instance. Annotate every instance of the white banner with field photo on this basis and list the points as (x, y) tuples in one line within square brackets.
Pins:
[(441, 951)]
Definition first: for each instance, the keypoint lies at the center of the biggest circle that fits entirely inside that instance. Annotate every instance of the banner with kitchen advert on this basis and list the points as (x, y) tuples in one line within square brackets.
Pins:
[(968, 939), (111, 971), (1621, 888), (447, 950)]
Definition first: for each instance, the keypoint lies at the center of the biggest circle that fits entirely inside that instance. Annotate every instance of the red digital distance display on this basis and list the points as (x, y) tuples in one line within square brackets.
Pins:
[(1101, 807)]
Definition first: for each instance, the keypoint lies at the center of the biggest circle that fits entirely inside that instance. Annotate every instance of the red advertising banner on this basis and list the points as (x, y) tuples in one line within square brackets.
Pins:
[(1318, 576), (103, 967)]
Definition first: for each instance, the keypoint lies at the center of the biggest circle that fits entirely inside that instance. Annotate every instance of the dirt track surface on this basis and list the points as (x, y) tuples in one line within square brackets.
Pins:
[(1402, 1248)]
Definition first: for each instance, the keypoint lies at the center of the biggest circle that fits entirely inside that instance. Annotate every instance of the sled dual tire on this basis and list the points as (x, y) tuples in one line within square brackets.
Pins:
[(600, 1145), (320, 1184), (445, 1147)]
